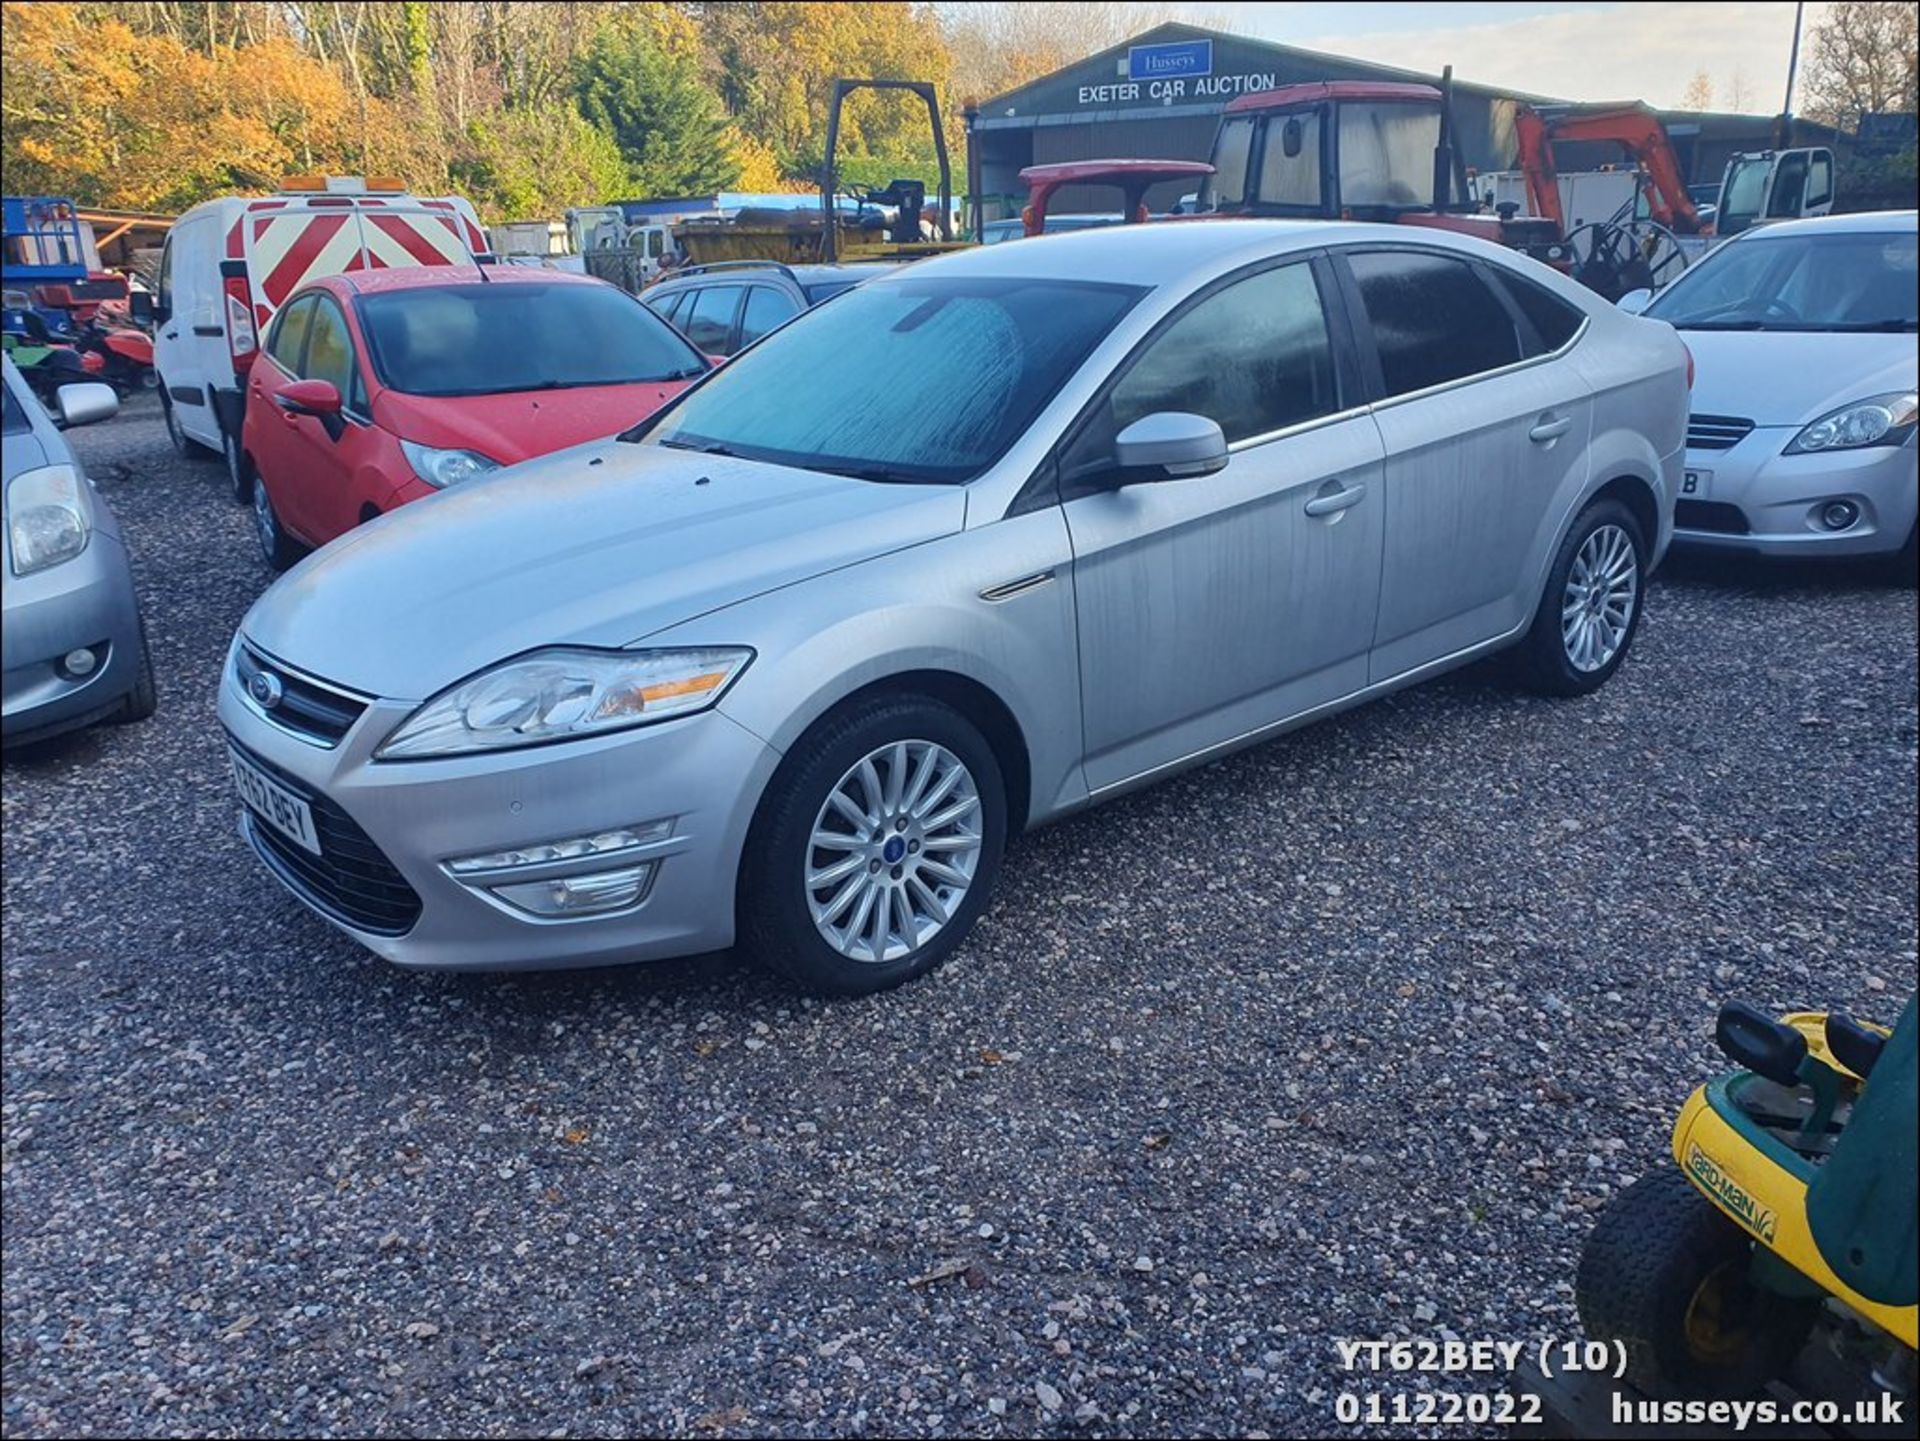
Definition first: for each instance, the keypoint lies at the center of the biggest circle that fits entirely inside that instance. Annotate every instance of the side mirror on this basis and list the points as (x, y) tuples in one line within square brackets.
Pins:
[(84, 402), (1635, 301), (310, 397), (140, 308), (1170, 445)]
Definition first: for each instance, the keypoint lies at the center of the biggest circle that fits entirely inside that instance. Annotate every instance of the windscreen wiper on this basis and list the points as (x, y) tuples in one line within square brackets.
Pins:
[(704, 447)]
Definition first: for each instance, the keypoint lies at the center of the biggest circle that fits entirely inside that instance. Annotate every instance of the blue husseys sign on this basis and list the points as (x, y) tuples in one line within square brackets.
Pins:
[(1160, 62)]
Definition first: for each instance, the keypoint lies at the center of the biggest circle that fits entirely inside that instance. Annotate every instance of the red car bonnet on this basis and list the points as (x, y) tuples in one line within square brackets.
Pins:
[(518, 425)]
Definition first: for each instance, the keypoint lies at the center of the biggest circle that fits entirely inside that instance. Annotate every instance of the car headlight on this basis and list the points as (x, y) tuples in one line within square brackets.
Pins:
[(1877, 420), (561, 694), (49, 517), (442, 468)]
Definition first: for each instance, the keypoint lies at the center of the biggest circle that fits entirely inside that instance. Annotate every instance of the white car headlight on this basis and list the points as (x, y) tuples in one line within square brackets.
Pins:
[(442, 468), (1877, 420), (560, 694), (49, 517)]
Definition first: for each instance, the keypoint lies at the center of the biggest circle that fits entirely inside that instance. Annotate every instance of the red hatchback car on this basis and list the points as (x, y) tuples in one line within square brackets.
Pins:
[(382, 386)]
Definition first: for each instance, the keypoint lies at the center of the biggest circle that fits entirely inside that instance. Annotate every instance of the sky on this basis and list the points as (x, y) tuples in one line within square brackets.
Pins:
[(1639, 51)]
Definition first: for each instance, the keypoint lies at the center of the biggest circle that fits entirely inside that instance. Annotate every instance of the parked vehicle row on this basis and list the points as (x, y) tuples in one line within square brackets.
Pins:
[(986, 540)]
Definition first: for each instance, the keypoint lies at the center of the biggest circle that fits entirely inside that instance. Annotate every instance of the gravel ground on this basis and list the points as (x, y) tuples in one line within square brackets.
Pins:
[(1345, 1037)]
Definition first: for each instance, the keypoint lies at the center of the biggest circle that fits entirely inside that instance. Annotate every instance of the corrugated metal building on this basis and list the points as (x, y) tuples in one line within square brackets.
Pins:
[(1159, 96)]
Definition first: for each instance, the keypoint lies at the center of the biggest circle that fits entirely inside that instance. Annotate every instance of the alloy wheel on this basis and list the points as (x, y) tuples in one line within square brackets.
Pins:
[(894, 851), (1596, 609)]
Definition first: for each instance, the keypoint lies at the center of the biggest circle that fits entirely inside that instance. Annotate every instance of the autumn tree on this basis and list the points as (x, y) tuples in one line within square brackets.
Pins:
[(1862, 57), (1699, 92)]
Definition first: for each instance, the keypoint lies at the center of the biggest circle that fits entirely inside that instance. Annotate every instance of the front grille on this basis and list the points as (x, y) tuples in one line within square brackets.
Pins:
[(351, 880), (306, 708), (1711, 515), (1716, 432)]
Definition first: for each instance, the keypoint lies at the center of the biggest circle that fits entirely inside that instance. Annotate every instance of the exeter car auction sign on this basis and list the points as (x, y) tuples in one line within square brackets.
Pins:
[(1172, 72)]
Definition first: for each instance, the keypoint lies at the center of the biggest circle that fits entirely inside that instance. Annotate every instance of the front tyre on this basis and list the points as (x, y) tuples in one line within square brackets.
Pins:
[(1590, 611), (1669, 1277), (875, 848)]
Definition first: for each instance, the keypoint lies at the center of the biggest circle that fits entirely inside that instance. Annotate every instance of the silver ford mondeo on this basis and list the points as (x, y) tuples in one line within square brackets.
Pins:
[(978, 544)]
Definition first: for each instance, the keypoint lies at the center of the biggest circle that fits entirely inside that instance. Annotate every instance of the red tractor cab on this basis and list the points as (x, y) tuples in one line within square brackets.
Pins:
[(1134, 177)]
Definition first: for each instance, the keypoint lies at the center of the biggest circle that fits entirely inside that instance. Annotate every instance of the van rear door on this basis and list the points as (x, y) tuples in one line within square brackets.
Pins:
[(287, 242)]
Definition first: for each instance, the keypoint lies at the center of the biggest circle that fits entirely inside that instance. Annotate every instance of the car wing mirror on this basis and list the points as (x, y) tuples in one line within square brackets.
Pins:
[(1169, 445), (140, 309), (84, 402), (1634, 301), (318, 398)]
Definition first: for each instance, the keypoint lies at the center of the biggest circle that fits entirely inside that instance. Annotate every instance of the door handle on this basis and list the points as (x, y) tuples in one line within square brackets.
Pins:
[(1336, 501), (208, 330), (1550, 430)]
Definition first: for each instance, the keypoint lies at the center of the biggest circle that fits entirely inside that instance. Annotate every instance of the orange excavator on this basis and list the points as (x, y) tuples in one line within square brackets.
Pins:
[(1386, 151)]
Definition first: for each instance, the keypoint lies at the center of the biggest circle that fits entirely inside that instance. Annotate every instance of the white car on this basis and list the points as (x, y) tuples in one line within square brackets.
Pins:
[(1801, 437)]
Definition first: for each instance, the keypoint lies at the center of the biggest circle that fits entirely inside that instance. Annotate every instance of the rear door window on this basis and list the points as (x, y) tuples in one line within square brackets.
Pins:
[(1432, 318), (765, 308), (708, 321)]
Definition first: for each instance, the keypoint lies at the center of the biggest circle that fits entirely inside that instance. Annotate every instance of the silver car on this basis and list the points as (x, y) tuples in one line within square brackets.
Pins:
[(1802, 435), (75, 653), (985, 541)]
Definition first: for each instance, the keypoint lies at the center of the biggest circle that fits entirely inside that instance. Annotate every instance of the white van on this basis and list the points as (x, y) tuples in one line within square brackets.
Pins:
[(229, 263)]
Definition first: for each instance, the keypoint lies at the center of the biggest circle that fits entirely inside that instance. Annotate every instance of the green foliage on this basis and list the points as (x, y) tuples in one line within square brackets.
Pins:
[(536, 162), (658, 110)]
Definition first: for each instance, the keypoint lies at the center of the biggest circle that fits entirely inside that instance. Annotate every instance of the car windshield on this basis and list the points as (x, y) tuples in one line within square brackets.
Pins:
[(915, 379), (494, 337), (1839, 280)]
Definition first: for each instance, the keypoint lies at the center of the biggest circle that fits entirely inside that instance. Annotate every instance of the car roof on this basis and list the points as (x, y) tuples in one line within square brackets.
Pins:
[(1865, 222), (1166, 251), (806, 273), (425, 277)]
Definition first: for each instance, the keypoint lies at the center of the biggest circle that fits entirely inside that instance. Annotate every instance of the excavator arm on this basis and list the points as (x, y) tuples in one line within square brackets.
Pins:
[(1635, 128)]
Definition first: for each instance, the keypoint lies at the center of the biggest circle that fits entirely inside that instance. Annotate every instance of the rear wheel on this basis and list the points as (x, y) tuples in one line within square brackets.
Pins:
[(1590, 611), (875, 849), (183, 444), (279, 549), (1667, 1275)]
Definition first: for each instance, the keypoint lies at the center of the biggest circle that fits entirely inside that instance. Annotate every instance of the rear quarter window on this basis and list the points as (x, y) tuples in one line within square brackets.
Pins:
[(1554, 320)]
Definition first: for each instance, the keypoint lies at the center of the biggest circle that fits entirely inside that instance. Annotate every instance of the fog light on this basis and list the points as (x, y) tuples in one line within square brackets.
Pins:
[(1839, 514), (600, 843), (76, 664), (579, 895)]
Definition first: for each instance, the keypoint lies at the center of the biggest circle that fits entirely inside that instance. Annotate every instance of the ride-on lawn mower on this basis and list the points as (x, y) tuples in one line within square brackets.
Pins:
[(1793, 1205)]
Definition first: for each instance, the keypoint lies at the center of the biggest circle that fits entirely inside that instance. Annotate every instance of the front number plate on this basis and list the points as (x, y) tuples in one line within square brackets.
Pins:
[(1696, 484), (274, 803)]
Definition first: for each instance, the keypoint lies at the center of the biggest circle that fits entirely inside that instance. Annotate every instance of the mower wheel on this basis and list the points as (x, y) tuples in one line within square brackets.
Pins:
[(1667, 1274)]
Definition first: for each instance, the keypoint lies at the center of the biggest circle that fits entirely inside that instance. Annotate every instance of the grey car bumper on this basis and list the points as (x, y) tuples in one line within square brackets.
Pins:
[(702, 774), (84, 603), (1757, 500)]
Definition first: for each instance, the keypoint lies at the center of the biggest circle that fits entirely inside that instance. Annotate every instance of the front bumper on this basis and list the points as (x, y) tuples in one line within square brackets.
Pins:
[(703, 773), (86, 602), (1763, 502)]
